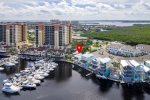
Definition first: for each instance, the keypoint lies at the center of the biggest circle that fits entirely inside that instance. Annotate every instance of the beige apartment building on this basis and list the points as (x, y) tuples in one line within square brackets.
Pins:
[(16, 35), (39, 35), (57, 36)]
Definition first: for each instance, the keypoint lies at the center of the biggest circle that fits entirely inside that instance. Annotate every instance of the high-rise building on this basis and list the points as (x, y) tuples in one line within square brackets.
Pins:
[(39, 35), (54, 35), (13, 34), (2, 32), (58, 35)]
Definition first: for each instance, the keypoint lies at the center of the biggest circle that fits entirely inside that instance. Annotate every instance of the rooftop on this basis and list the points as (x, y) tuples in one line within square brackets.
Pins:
[(87, 55), (146, 69), (105, 60), (134, 63), (124, 63), (145, 47), (79, 38), (148, 61), (78, 55), (115, 45)]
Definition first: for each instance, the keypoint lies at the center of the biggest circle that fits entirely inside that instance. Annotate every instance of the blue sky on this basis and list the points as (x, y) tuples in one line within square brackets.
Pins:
[(75, 9)]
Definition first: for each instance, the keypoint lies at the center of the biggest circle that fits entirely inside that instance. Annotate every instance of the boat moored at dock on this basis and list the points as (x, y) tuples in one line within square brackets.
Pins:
[(30, 77), (10, 88)]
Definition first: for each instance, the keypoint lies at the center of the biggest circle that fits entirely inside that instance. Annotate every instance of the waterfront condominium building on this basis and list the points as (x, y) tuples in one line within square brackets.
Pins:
[(13, 34), (58, 35), (132, 71), (127, 71), (39, 35), (2, 32)]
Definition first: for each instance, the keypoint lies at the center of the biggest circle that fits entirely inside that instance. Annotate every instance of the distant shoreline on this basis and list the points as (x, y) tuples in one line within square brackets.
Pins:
[(130, 21)]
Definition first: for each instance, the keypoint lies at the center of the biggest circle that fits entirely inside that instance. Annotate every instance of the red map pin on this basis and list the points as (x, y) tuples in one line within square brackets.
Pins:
[(79, 48)]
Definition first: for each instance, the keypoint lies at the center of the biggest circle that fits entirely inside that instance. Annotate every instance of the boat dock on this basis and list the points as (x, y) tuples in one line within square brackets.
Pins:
[(30, 77), (34, 57), (10, 59)]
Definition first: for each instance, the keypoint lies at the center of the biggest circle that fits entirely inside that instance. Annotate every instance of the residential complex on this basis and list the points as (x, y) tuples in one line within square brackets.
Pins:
[(132, 71), (129, 51), (86, 60), (144, 48), (101, 65), (51, 35), (39, 35), (57, 36), (13, 34)]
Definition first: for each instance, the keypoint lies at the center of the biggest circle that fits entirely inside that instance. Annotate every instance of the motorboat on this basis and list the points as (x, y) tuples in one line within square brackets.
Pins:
[(28, 85), (51, 69), (9, 64), (6, 81), (43, 74), (53, 66), (10, 88), (46, 71), (1, 68), (38, 77), (33, 80), (28, 78), (17, 74), (15, 62), (40, 61)]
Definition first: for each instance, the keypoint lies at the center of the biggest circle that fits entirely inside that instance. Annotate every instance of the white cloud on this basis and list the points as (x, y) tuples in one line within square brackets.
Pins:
[(74, 9)]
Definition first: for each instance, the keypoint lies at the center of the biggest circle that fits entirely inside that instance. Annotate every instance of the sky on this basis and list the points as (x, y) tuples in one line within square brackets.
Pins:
[(75, 9)]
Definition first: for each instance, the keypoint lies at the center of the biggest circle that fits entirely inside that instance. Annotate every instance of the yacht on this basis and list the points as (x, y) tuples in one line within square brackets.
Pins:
[(28, 85), (43, 74), (9, 64), (38, 77), (1, 68), (10, 88), (15, 62), (33, 80), (51, 69)]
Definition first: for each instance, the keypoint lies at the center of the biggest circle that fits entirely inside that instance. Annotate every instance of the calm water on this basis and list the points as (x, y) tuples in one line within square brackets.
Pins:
[(68, 84), (117, 23)]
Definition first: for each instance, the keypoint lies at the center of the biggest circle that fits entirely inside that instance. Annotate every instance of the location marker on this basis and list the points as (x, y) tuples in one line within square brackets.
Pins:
[(79, 48)]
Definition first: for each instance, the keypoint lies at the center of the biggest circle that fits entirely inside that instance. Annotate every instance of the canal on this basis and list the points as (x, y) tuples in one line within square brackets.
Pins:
[(67, 83)]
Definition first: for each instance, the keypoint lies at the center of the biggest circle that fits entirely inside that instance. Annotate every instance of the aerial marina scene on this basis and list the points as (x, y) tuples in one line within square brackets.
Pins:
[(74, 50)]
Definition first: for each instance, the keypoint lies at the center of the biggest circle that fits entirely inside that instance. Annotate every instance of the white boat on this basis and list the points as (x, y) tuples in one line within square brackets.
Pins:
[(1, 68), (46, 71), (53, 66), (10, 88), (51, 69), (9, 64), (38, 77), (43, 74), (28, 85), (33, 80), (13, 61), (17, 74), (7, 81)]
